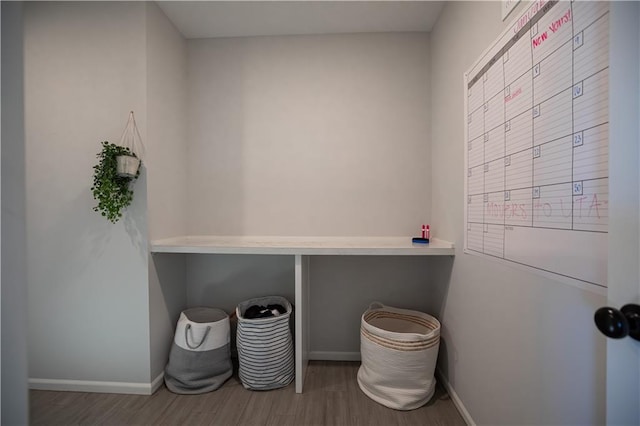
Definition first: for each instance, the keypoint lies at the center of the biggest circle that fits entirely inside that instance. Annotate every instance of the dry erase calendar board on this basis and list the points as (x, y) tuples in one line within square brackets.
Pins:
[(537, 143)]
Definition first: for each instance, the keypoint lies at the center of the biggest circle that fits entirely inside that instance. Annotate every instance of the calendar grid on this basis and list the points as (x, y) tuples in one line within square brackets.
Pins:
[(537, 132)]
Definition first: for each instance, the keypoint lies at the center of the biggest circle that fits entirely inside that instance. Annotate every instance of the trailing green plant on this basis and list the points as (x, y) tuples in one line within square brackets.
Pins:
[(110, 190)]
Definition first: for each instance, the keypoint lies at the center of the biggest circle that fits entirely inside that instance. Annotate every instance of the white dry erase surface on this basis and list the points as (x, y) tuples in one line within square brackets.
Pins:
[(537, 144)]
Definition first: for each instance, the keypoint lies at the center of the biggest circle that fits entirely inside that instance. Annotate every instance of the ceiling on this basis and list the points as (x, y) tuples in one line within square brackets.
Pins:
[(206, 19)]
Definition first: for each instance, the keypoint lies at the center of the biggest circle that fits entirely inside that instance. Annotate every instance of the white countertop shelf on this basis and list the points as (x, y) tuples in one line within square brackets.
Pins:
[(368, 246)]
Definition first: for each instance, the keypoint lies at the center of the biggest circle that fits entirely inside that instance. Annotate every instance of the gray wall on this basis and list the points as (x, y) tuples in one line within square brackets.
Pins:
[(165, 160), (223, 281), (517, 348), (88, 279), (14, 273), (342, 287), (309, 135)]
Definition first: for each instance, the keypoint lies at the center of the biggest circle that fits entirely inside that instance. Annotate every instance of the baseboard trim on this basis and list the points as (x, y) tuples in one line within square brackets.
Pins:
[(96, 386), (334, 356), (157, 382), (455, 398)]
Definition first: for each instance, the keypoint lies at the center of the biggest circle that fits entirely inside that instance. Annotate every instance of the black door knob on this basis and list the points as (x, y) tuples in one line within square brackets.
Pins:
[(619, 323)]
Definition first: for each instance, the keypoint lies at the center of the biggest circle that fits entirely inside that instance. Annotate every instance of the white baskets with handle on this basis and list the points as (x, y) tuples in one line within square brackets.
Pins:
[(399, 349), (200, 356)]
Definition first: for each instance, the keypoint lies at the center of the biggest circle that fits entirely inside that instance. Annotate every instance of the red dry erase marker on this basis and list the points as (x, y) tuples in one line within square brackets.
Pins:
[(424, 231)]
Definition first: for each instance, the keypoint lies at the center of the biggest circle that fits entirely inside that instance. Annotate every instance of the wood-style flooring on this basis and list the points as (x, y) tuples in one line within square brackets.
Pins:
[(331, 397)]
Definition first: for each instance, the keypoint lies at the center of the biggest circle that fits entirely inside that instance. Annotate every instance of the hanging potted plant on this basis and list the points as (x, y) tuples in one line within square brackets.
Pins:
[(127, 162), (111, 189), (118, 166)]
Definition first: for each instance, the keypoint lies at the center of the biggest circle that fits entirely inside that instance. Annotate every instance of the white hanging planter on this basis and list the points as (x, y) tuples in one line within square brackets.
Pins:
[(127, 165)]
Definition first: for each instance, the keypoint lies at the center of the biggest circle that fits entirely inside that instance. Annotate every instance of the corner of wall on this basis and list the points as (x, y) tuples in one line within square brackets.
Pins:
[(166, 91), (14, 404)]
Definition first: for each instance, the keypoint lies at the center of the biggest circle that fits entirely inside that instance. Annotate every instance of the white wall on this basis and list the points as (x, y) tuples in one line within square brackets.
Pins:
[(517, 348), (14, 271), (85, 69), (309, 135), (166, 142), (165, 159)]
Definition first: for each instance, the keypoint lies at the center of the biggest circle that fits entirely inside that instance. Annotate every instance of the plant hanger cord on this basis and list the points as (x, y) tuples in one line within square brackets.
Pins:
[(129, 135)]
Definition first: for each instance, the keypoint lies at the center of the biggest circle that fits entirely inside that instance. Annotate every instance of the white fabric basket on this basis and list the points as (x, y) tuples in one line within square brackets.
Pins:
[(200, 357), (399, 349), (265, 346)]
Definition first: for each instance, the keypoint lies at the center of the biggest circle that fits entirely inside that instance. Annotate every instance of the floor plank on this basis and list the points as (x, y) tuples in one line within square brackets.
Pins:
[(331, 397)]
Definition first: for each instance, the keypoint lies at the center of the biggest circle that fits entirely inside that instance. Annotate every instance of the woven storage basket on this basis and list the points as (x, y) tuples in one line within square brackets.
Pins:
[(265, 346), (200, 357), (399, 349)]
